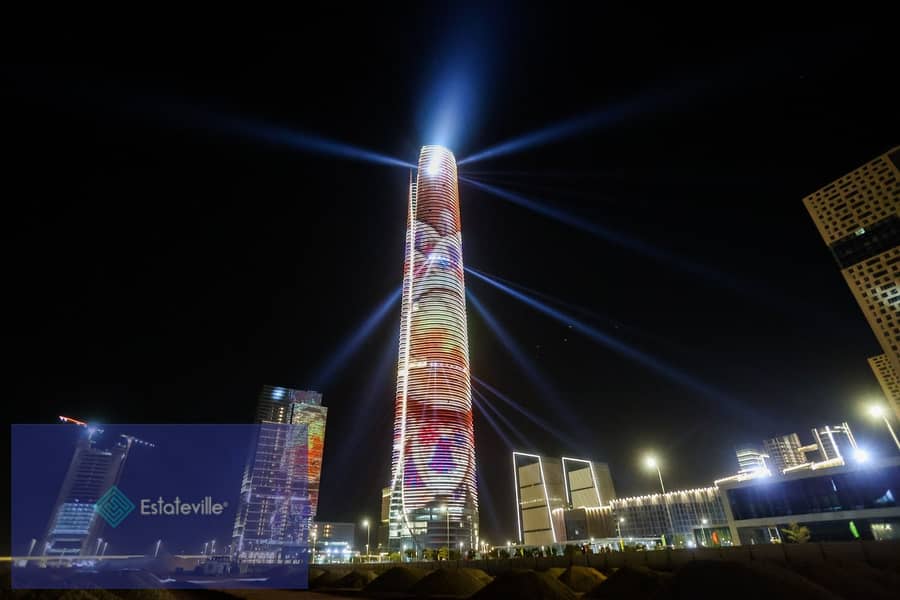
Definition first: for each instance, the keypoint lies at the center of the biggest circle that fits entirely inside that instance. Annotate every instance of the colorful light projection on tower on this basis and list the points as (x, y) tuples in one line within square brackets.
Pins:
[(434, 498)]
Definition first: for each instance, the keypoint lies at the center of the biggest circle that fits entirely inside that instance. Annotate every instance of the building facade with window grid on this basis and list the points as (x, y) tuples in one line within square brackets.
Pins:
[(648, 516), (858, 218)]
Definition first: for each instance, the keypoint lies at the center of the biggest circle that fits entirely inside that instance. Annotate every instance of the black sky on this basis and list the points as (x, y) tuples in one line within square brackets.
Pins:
[(159, 269)]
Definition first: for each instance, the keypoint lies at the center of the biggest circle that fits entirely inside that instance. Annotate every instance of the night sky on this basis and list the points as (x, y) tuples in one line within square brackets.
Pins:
[(162, 266)]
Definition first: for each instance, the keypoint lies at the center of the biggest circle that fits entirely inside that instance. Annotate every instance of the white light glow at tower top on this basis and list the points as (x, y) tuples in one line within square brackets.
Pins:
[(433, 458)]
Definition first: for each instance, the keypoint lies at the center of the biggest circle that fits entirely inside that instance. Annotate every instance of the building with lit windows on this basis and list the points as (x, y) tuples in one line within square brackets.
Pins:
[(888, 378), (751, 460), (280, 486), (858, 217), (785, 451), (75, 527), (434, 497), (552, 495), (856, 500), (681, 517)]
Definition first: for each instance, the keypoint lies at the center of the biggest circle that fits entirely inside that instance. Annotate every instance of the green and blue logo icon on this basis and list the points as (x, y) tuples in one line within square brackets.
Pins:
[(114, 506)]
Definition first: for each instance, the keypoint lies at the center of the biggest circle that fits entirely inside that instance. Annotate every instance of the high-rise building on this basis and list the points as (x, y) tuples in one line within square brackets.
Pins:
[(384, 524), (750, 460), (785, 451), (548, 487), (434, 498), (75, 527), (888, 378), (280, 487), (859, 219), (835, 443)]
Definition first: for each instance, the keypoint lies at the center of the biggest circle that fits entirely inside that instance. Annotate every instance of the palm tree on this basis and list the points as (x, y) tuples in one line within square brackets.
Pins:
[(796, 533)]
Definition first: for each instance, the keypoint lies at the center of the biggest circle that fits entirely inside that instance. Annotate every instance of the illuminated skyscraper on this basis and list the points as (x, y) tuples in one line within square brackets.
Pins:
[(858, 216), (434, 498), (280, 488), (75, 526)]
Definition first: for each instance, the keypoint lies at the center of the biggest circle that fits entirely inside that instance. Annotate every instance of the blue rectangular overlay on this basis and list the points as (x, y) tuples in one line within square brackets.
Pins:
[(160, 506)]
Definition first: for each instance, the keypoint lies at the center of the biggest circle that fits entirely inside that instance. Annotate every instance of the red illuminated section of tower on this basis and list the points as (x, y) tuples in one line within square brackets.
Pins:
[(434, 499)]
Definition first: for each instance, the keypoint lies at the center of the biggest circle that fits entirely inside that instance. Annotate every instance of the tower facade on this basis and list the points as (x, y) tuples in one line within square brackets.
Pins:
[(75, 527), (434, 497), (280, 487), (858, 217)]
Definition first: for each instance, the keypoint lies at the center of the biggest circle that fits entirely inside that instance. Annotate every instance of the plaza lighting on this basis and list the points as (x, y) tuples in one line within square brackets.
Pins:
[(878, 411), (368, 531), (651, 462)]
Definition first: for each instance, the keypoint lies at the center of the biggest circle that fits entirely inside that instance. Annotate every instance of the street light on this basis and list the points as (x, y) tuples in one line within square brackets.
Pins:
[(460, 550), (368, 537), (619, 522), (704, 522), (876, 411), (652, 463), (446, 509)]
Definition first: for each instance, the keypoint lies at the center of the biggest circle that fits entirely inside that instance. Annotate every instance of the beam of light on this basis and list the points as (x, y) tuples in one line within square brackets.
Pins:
[(306, 142), (566, 439), (493, 423), (590, 314), (353, 343), (657, 366), (521, 439), (371, 397), (583, 124), (607, 234), (527, 366)]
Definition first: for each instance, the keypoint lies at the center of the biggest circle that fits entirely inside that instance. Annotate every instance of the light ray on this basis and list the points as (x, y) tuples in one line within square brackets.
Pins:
[(353, 343), (654, 364), (607, 234)]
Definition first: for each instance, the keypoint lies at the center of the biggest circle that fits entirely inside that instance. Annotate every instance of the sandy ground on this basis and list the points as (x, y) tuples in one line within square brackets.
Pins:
[(287, 595)]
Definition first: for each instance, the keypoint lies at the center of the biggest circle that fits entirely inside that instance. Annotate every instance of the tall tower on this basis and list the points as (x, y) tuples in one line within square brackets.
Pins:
[(858, 216), (280, 487), (74, 527), (434, 497)]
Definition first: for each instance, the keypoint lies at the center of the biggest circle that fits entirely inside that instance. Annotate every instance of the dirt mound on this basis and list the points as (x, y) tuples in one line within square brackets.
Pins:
[(631, 582), (355, 580), (857, 581), (449, 582), (328, 578), (707, 579), (478, 574), (581, 579), (396, 580), (554, 572), (525, 585)]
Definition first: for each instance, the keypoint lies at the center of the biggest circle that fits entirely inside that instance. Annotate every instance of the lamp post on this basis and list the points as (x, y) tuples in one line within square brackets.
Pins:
[(877, 410), (460, 550), (508, 549), (446, 509), (703, 524), (652, 463), (368, 539), (619, 522)]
